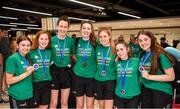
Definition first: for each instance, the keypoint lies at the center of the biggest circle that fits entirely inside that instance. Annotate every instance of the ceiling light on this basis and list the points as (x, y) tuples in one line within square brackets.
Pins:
[(23, 10), (24, 24), (31, 28), (4, 17), (74, 18), (18, 29), (130, 15), (8, 25), (87, 4)]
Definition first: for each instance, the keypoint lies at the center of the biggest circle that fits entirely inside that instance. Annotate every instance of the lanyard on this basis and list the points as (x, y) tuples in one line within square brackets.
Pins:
[(104, 59), (144, 58), (43, 62), (84, 52), (61, 49), (25, 61), (123, 77)]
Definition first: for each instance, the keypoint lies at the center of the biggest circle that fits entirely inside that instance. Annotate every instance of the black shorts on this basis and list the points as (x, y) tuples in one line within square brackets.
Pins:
[(14, 104), (154, 99), (61, 77), (104, 90), (41, 93), (84, 86), (126, 103), (73, 91)]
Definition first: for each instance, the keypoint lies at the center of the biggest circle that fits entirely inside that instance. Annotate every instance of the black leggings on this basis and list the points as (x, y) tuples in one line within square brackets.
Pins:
[(154, 99)]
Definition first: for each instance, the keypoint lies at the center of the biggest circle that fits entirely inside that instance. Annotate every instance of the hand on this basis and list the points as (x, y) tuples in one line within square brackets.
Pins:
[(145, 74), (29, 70)]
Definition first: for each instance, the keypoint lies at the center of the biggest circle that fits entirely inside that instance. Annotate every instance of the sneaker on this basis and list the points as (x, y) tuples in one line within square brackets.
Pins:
[(1, 101), (5, 101), (5, 98)]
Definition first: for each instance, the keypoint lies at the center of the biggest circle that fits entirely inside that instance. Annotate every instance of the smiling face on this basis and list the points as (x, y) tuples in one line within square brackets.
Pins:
[(144, 42), (122, 51), (86, 30), (104, 38), (63, 27), (43, 41), (24, 47)]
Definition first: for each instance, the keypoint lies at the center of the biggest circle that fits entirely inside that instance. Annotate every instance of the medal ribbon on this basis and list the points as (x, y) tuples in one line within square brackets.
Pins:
[(61, 49), (104, 58), (123, 77), (24, 60), (144, 58), (84, 52), (44, 62)]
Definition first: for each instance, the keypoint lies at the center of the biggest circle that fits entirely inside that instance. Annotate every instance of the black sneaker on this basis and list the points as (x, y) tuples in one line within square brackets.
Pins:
[(1, 101), (5, 101)]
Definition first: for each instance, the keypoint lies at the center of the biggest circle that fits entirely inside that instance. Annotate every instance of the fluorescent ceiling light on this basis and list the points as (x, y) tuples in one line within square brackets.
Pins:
[(4, 17), (8, 25), (18, 29), (28, 11), (24, 24), (74, 18), (130, 15), (87, 4), (31, 28)]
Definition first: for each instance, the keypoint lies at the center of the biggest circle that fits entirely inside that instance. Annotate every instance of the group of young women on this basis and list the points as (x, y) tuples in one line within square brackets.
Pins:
[(103, 70)]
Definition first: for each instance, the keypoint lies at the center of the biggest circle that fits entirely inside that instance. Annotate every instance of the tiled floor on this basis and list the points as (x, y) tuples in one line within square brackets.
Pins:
[(4, 106)]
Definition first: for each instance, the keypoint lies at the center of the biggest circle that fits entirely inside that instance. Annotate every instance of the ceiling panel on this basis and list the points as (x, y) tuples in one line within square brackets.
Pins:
[(143, 8)]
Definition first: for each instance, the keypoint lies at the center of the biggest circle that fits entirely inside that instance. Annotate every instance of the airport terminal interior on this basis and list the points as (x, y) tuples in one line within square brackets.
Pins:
[(124, 18)]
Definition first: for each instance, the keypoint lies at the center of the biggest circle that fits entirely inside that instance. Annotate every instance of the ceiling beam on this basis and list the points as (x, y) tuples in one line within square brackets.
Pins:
[(152, 6), (60, 8), (38, 4), (170, 3), (116, 7), (119, 2), (88, 13)]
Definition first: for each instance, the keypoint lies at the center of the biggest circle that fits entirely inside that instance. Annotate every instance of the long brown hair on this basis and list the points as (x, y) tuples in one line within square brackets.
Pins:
[(13, 45), (36, 43), (126, 45), (156, 50), (23, 38), (108, 31), (92, 35)]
